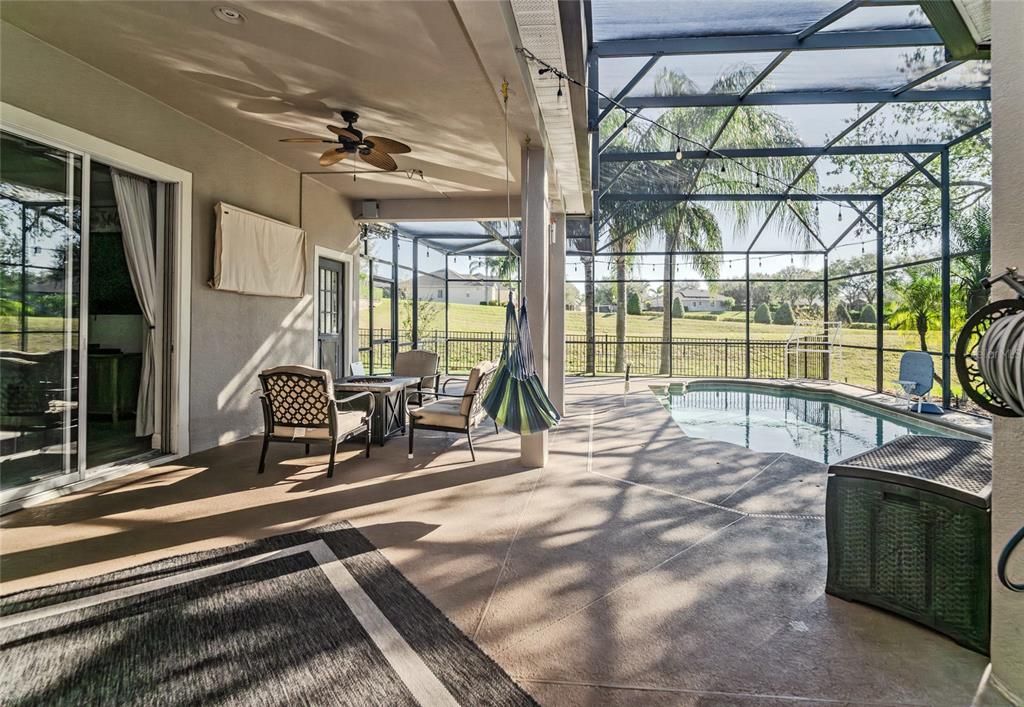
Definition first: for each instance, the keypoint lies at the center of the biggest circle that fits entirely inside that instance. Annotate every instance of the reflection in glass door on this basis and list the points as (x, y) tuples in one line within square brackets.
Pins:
[(40, 246)]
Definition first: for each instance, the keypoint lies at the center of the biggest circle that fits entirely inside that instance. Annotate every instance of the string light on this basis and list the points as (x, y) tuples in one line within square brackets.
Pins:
[(548, 68)]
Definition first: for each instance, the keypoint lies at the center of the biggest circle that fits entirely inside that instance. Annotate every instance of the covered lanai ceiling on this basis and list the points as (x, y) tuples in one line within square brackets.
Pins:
[(424, 72)]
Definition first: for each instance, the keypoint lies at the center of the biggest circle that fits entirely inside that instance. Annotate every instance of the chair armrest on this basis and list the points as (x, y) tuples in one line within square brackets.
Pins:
[(420, 393), (444, 386), (356, 396)]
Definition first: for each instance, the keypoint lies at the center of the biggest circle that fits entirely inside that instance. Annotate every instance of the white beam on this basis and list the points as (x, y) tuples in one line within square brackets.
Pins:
[(533, 448), (556, 308), (458, 209)]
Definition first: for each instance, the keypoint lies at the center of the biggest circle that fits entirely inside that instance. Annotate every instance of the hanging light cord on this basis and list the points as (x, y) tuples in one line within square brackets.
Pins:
[(561, 75)]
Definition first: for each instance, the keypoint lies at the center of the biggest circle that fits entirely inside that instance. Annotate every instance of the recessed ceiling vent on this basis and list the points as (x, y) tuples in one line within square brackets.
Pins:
[(229, 15)]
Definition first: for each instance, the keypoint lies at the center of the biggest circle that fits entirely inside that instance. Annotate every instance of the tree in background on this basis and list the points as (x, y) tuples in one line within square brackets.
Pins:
[(843, 314), (633, 303), (868, 315), (918, 303), (677, 308), (784, 315), (688, 226), (853, 280), (762, 315), (572, 295), (972, 234)]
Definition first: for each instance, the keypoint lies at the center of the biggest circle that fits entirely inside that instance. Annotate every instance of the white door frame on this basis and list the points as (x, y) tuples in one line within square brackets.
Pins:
[(29, 125), (351, 312)]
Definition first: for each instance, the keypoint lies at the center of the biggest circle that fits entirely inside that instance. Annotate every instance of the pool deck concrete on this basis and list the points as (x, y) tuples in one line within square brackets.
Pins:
[(639, 567)]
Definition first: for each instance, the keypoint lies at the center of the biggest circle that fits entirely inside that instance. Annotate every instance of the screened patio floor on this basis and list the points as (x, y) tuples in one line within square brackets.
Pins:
[(639, 566)]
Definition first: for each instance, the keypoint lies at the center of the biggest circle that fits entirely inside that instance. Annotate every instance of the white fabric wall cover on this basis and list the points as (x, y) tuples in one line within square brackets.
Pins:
[(256, 255), (134, 210)]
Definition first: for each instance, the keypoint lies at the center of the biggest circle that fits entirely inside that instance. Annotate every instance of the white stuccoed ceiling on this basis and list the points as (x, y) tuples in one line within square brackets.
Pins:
[(425, 72), (540, 31)]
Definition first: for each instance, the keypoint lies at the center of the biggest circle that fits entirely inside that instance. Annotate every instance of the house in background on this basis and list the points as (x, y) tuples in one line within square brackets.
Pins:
[(462, 289), (695, 299)]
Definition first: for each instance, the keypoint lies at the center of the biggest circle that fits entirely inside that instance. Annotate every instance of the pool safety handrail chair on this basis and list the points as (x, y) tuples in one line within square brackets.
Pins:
[(812, 337)]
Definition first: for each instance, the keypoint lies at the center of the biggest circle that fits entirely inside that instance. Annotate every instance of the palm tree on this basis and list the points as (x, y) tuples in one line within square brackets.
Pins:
[(918, 302), (628, 223), (689, 226), (973, 234)]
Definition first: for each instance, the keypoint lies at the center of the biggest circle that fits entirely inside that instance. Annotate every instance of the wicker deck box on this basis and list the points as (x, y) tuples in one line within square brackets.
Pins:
[(908, 530)]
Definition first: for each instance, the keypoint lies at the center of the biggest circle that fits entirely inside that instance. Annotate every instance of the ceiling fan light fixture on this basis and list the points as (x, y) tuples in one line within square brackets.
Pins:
[(228, 14)]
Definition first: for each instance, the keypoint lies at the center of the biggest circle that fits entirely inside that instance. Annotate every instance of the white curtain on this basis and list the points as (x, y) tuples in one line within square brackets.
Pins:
[(137, 229)]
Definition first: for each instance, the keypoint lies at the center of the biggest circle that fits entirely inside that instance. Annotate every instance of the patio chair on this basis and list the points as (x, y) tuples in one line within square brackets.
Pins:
[(450, 412), (916, 372), (299, 406), (419, 364)]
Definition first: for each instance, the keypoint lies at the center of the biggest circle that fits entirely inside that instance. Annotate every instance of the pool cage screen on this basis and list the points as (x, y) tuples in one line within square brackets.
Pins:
[(780, 190), (805, 198)]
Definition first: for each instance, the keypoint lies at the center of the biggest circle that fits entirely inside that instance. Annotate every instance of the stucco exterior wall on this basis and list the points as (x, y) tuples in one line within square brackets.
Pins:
[(1008, 250), (233, 336)]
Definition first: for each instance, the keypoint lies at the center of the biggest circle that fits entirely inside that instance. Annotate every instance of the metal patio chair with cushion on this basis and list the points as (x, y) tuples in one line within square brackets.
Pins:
[(419, 364), (916, 372), (299, 406), (447, 412)]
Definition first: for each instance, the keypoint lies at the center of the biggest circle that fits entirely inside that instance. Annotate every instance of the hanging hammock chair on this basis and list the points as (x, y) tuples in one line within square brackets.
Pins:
[(516, 399)]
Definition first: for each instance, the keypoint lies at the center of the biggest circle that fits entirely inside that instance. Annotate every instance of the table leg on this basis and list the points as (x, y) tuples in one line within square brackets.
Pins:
[(401, 408)]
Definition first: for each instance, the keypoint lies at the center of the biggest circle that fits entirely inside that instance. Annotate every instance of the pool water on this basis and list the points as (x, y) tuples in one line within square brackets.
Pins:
[(818, 426)]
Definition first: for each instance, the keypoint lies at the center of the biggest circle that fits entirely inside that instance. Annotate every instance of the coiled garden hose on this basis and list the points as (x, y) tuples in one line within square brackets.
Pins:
[(1001, 360), (1004, 558)]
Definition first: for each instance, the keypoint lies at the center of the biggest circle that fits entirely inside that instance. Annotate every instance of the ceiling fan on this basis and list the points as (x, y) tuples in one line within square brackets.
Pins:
[(372, 149)]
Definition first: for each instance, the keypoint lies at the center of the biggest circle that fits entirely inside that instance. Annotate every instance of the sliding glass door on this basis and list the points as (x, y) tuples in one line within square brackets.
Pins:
[(84, 313), (40, 251)]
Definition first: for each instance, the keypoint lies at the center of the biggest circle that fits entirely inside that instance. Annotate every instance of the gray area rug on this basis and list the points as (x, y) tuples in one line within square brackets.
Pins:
[(314, 617)]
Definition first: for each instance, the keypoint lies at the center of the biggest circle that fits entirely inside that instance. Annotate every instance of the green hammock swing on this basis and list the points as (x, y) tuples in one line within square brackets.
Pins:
[(516, 399)]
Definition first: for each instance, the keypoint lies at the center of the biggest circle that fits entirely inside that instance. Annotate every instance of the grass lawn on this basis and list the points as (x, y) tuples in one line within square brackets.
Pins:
[(857, 366)]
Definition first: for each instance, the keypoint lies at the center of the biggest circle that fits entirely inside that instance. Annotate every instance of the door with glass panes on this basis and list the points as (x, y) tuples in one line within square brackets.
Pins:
[(331, 319)]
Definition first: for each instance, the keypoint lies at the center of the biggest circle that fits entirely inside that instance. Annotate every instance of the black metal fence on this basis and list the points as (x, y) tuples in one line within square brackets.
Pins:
[(689, 358)]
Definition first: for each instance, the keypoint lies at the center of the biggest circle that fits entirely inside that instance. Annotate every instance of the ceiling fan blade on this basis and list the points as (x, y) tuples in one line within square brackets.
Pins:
[(380, 160), (335, 154), (344, 132), (303, 139), (386, 144)]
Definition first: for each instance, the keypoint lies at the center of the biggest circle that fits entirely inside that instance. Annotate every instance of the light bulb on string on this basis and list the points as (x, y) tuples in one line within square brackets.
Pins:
[(840, 213), (679, 151)]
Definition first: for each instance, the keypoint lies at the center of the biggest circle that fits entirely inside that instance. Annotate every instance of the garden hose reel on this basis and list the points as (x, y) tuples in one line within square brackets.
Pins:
[(990, 363), (990, 351)]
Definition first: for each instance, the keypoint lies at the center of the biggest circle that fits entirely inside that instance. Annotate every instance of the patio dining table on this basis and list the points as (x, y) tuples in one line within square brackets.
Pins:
[(389, 395)]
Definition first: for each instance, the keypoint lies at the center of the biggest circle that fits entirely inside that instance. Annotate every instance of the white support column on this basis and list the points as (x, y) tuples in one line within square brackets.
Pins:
[(533, 449), (556, 305), (1007, 644)]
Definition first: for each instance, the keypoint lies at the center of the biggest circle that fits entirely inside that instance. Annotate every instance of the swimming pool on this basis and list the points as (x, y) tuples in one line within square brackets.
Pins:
[(823, 427)]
